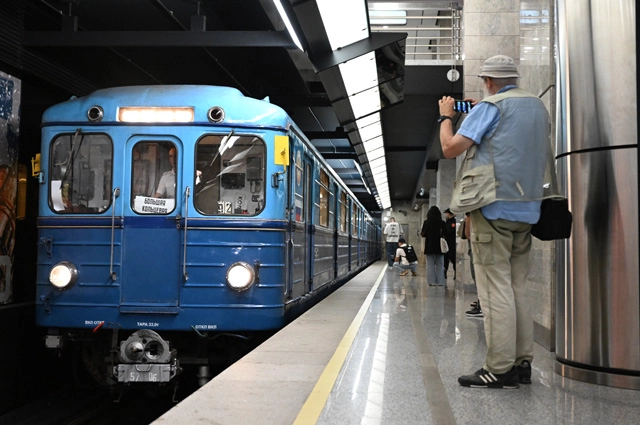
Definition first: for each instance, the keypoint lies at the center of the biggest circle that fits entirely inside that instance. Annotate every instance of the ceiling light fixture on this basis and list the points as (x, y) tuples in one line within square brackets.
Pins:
[(287, 23), (360, 78), (388, 17)]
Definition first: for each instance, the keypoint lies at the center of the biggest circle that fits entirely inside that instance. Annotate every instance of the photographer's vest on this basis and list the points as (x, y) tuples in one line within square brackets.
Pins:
[(518, 147)]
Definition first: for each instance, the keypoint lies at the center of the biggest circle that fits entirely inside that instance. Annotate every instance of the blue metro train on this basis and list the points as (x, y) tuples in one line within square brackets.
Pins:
[(171, 215)]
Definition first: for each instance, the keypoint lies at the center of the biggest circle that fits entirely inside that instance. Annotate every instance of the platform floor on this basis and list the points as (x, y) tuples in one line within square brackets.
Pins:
[(387, 349)]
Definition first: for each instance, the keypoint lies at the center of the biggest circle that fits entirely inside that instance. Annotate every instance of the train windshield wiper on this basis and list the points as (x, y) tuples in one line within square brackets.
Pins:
[(73, 154), (207, 177), (225, 144)]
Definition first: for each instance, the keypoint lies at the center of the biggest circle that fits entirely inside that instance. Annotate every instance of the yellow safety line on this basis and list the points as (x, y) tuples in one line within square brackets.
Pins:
[(312, 408)]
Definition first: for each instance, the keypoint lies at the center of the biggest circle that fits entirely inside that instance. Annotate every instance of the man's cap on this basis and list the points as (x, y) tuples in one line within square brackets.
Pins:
[(499, 66), (401, 240), (448, 211)]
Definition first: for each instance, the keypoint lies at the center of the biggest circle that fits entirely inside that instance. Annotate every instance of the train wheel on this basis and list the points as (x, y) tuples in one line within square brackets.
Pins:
[(94, 358)]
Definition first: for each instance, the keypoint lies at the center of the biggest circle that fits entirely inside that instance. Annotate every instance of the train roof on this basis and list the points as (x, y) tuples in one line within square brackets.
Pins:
[(238, 108)]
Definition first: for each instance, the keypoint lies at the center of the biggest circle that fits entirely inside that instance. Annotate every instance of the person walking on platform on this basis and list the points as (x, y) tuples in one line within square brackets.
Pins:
[(432, 230), (406, 258), (506, 137), (392, 231), (450, 237)]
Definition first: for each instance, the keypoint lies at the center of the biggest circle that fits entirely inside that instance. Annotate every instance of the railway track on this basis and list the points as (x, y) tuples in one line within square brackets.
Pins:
[(78, 407)]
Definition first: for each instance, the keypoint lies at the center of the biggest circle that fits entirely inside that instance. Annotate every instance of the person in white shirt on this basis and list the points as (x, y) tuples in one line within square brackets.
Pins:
[(167, 184), (406, 258), (393, 232)]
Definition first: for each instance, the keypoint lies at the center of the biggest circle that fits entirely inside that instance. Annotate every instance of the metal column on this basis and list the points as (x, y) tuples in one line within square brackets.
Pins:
[(598, 307)]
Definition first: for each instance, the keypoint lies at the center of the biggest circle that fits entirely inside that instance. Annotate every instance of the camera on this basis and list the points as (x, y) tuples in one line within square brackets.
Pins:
[(463, 106)]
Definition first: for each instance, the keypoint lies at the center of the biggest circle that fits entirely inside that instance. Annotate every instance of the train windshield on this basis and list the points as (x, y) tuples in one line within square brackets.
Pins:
[(230, 175), (80, 173), (153, 177)]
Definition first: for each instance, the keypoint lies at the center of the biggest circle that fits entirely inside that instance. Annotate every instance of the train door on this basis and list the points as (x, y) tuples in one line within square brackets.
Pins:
[(150, 273), (311, 250), (301, 220), (353, 240), (336, 226)]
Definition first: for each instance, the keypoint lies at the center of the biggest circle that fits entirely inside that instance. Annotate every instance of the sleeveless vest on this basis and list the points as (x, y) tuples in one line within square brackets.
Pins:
[(510, 163)]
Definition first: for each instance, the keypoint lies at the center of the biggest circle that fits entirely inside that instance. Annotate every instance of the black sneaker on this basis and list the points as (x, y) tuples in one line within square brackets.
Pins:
[(485, 379), (474, 312), (524, 372)]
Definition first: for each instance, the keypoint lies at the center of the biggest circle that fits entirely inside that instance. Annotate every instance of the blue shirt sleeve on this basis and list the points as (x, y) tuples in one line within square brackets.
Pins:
[(483, 119)]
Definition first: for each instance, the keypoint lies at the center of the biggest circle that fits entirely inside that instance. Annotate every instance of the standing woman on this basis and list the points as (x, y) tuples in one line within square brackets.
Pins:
[(432, 230)]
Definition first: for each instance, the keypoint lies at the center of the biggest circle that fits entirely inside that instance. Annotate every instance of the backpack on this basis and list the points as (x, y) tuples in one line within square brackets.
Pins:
[(410, 253)]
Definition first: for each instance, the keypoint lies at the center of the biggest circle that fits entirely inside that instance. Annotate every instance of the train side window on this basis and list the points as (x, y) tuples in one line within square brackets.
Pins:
[(153, 177), (324, 198), (355, 211), (299, 205), (343, 212), (332, 206), (80, 177), (229, 176)]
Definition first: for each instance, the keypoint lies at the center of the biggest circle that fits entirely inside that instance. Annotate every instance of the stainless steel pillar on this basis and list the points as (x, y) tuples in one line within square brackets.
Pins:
[(598, 306)]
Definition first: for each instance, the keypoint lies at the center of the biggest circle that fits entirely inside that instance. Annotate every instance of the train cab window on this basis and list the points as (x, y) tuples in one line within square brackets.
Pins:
[(324, 199), (153, 177), (80, 176), (343, 212), (229, 176)]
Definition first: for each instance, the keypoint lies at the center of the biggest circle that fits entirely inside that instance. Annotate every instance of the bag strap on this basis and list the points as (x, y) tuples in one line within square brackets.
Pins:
[(553, 191)]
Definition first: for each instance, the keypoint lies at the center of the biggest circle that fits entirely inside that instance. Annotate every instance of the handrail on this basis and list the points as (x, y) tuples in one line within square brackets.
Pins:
[(186, 216), (546, 90), (116, 194)]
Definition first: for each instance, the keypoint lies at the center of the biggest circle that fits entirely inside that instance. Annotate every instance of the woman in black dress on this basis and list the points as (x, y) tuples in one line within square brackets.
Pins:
[(432, 230)]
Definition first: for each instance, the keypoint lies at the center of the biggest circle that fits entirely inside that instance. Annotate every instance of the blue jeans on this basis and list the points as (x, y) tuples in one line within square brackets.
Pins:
[(411, 266), (435, 269), (391, 252)]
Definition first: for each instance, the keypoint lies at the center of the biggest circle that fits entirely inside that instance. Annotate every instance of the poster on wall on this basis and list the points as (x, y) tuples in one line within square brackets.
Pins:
[(9, 137)]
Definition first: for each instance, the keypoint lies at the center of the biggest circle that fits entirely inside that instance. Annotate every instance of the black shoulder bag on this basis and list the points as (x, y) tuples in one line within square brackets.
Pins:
[(555, 218)]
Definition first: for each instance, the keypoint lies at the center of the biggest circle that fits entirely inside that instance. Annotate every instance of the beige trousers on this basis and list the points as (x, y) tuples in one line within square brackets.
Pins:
[(501, 260)]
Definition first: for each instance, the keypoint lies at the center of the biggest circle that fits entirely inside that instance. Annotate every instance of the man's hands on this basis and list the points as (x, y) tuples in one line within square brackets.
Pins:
[(452, 144), (446, 106)]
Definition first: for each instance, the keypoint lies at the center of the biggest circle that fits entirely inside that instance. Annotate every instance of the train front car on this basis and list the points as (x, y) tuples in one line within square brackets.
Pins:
[(162, 221)]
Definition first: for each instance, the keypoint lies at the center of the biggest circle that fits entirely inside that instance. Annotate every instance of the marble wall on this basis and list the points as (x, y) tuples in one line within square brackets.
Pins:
[(489, 27), (537, 70), (444, 183)]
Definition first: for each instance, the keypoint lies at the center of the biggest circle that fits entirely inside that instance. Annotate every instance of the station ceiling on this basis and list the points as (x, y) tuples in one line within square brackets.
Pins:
[(84, 45)]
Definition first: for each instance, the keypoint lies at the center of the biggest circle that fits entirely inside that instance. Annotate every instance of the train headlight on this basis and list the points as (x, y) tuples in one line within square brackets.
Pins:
[(63, 275), (240, 276), (155, 114), (95, 113), (215, 114)]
